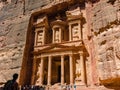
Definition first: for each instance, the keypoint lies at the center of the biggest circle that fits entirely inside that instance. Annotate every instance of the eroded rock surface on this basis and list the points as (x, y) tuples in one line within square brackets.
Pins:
[(102, 26), (14, 20)]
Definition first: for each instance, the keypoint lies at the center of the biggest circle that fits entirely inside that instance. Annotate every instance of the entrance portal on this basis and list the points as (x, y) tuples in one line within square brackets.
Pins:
[(56, 70), (59, 73)]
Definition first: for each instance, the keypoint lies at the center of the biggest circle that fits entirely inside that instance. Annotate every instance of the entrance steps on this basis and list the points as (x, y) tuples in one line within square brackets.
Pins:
[(79, 88)]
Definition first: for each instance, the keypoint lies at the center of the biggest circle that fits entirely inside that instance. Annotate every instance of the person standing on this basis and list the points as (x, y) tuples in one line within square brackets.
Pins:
[(12, 84)]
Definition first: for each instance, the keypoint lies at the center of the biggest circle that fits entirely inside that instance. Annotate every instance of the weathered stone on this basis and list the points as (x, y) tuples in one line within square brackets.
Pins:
[(102, 26)]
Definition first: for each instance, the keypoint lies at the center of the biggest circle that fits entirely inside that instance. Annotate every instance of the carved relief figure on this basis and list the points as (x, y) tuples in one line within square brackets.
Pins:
[(78, 71), (57, 36), (117, 50), (75, 32), (111, 61), (40, 38), (38, 74), (117, 55), (110, 54)]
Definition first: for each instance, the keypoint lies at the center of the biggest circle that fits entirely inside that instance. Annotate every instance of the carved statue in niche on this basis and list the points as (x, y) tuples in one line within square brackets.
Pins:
[(57, 36), (40, 37), (75, 32), (78, 71), (38, 74)]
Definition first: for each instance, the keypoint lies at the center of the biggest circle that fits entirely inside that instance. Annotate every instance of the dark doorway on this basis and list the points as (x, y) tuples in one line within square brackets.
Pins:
[(59, 73), (45, 71)]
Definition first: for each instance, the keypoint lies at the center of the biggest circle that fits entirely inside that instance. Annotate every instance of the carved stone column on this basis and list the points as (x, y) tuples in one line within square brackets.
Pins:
[(41, 70), (82, 67), (70, 33), (60, 33), (71, 69), (49, 69), (80, 30), (53, 36), (62, 69), (33, 71), (35, 39), (44, 37)]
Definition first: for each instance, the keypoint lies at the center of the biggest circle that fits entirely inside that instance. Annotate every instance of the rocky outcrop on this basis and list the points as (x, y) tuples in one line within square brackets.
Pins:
[(105, 26)]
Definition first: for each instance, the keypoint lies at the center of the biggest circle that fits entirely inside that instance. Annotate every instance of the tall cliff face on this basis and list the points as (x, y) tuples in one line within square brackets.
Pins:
[(105, 30), (103, 22), (14, 20)]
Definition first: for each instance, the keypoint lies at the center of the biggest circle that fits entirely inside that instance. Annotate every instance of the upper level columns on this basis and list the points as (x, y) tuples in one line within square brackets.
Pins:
[(53, 36), (41, 70), (70, 33)]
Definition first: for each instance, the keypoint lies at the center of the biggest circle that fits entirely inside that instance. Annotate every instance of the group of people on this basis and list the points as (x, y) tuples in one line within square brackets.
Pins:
[(13, 85), (29, 87)]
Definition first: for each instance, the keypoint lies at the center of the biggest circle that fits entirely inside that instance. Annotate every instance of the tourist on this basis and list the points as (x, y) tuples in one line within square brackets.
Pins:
[(12, 84)]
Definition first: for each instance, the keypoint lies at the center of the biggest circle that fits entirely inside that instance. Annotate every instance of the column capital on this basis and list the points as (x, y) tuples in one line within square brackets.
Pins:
[(62, 55), (36, 57), (42, 57), (49, 56), (81, 53), (70, 54)]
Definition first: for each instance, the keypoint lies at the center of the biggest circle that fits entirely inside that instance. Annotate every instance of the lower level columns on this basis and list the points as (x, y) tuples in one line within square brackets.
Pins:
[(49, 70), (33, 70), (62, 70), (71, 69), (82, 67), (41, 70)]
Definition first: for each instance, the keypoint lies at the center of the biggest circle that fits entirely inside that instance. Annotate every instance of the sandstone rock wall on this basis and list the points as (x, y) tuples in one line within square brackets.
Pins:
[(103, 14), (105, 22), (14, 20), (103, 29)]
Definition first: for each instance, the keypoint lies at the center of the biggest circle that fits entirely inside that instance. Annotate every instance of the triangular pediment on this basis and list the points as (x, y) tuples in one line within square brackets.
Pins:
[(55, 47), (59, 48)]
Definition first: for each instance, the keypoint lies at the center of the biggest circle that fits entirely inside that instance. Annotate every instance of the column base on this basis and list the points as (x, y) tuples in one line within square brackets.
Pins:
[(63, 83), (49, 85), (41, 85), (79, 82)]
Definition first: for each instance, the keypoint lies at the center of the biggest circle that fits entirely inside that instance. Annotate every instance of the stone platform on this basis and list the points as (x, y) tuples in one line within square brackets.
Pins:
[(82, 88)]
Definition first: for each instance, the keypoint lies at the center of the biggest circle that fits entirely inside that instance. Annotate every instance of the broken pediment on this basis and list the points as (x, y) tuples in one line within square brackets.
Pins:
[(41, 22), (58, 23), (76, 11), (75, 14)]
